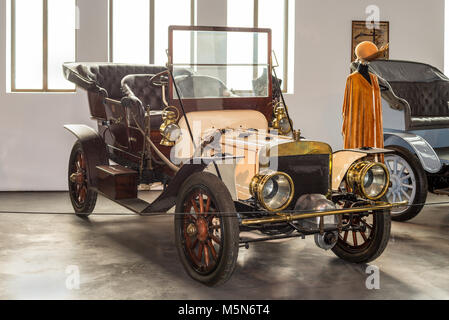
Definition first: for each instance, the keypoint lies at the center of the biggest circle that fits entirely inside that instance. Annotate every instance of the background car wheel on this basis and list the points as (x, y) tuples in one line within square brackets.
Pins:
[(83, 199), (409, 182), (206, 229), (366, 239)]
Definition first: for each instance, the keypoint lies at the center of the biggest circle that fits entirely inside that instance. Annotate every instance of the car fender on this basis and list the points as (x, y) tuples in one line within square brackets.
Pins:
[(167, 199), (341, 162), (417, 145), (93, 147)]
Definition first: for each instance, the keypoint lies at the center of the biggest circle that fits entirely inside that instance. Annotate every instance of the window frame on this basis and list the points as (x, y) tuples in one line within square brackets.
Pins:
[(44, 49), (151, 27), (285, 40)]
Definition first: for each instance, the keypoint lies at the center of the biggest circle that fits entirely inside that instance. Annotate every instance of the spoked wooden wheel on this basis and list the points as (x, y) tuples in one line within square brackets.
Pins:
[(202, 231), (83, 199), (206, 229), (364, 237)]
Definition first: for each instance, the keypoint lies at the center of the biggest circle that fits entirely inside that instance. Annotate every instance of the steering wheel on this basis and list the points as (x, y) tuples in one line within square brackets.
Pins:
[(160, 79)]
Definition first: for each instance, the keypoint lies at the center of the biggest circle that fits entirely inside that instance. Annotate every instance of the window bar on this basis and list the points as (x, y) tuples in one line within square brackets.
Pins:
[(255, 39), (151, 33), (13, 45), (45, 46), (111, 30), (286, 36)]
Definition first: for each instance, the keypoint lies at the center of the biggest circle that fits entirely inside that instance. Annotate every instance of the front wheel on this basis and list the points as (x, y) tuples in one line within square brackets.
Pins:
[(83, 199), (206, 229), (409, 183), (365, 239)]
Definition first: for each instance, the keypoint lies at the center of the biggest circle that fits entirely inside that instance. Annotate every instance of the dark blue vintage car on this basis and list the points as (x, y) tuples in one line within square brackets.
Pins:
[(415, 99)]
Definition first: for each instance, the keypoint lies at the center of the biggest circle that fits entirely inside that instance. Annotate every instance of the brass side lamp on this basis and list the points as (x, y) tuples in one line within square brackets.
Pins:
[(280, 121), (169, 129)]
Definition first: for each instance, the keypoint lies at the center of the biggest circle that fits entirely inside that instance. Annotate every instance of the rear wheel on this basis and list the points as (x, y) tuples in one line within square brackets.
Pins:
[(365, 239), (83, 199), (206, 229), (409, 183)]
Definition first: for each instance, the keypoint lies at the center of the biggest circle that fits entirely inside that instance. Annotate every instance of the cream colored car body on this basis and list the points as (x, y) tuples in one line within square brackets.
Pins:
[(249, 147)]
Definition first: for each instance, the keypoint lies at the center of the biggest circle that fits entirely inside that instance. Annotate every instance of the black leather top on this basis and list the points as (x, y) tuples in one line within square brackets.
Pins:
[(424, 88), (105, 78)]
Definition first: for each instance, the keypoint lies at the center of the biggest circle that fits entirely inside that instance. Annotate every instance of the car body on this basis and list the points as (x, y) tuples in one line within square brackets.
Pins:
[(416, 125), (223, 166)]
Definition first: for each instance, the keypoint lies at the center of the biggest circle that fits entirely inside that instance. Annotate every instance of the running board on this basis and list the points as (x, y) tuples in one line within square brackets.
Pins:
[(442, 191), (136, 205)]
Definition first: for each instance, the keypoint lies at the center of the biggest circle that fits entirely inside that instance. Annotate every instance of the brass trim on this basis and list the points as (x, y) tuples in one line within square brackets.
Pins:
[(259, 181), (299, 216), (357, 172)]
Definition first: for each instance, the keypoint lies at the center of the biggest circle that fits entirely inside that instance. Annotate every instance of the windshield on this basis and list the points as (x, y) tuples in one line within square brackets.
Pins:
[(220, 64)]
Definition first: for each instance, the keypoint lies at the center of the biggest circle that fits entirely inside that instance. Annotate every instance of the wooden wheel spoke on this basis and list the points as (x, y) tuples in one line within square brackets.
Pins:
[(208, 204), (216, 239), (367, 225), (354, 237), (201, 201), (195, 207), (345, 238), (215, 227), (82, 162), (206, 255), (200, 252), (212, 250), (194, 244), (363, 235)]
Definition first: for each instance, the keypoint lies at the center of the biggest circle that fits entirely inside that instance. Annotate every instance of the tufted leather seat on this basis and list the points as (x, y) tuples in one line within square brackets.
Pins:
[(138, 93), (419, 89), (108, 76), (428, 102)]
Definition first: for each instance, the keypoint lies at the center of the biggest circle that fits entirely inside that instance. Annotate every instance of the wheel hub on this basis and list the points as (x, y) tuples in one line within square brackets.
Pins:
[(202, 227), (77, 178), (191, 230), (395, 183)]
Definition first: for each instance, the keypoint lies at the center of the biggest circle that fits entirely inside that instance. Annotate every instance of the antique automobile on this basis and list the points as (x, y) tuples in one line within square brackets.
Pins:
[(213, 129), (416, 126)]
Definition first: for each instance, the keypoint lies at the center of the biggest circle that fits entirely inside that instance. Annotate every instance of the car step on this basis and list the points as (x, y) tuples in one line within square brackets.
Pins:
[(117, 182), (442, 191)]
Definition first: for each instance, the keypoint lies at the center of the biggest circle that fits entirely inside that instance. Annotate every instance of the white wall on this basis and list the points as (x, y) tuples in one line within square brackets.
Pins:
[(34, 148)]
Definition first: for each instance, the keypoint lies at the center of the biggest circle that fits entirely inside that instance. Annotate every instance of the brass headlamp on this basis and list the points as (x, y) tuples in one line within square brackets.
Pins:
[(369, 179), (169, 129), (280, 121), (274, 191)]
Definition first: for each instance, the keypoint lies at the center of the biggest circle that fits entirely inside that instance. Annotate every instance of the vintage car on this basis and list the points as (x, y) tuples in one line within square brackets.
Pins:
[(210, 128), (416, 126)]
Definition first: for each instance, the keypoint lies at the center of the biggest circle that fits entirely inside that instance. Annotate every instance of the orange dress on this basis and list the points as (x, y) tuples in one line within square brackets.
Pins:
[(362, 113)]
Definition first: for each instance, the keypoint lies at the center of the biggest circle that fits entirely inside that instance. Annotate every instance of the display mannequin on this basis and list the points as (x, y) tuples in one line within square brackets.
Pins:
[(362, 107)]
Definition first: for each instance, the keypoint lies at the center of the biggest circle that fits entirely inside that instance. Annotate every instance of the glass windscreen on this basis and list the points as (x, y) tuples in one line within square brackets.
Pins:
[(220, 64)]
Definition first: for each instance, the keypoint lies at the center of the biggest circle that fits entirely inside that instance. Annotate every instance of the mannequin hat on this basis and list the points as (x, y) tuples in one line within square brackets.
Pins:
[(368, 51)]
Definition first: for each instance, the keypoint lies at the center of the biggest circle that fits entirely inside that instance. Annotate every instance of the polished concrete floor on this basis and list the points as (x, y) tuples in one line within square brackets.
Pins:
[(123, 256)]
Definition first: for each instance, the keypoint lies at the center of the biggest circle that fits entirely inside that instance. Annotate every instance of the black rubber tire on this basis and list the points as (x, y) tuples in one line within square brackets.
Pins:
[(421, 184), (87, 207), (223, 200), (375, 248)]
